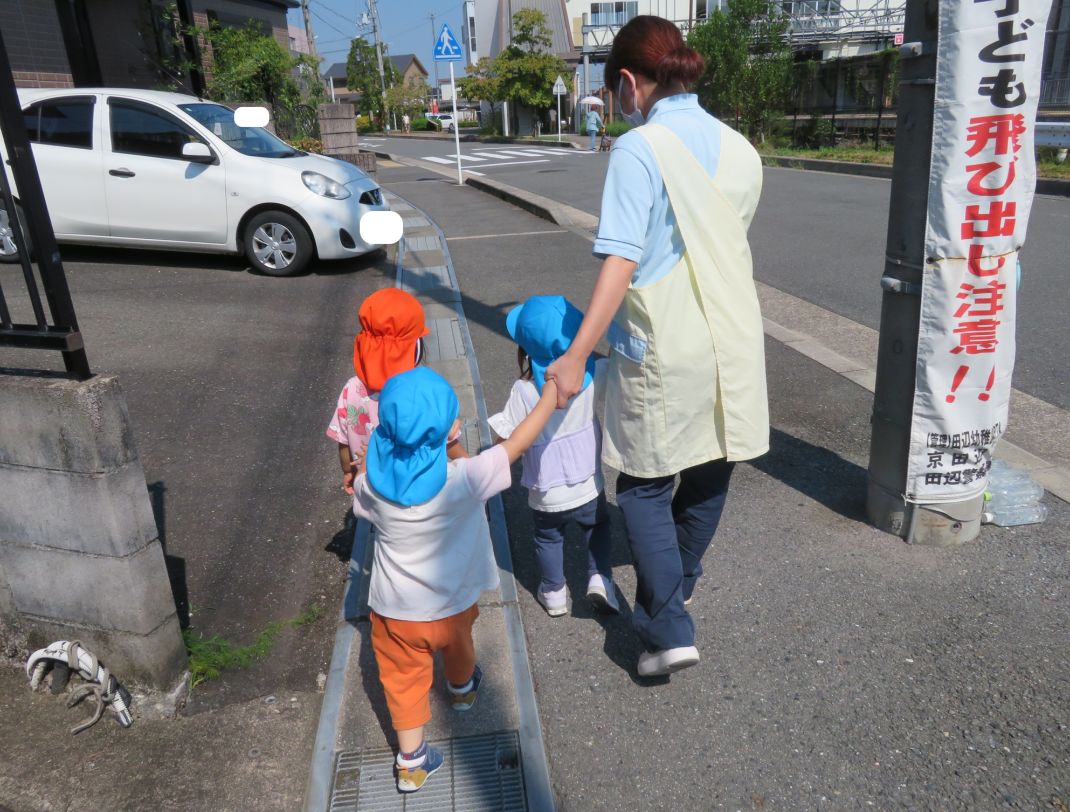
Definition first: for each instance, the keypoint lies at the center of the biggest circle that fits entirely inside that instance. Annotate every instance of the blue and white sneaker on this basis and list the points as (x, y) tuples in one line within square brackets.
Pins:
[(411, 779), (466, 697)]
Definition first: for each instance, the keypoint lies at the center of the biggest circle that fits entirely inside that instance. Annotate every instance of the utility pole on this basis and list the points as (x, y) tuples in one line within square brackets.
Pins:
[(935, 420), (378, 51), (312, 49), (897, 352), (434, 41)]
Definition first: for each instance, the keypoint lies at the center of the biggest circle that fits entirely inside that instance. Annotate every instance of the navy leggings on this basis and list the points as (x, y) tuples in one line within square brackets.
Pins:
[(668, 536), (593, 519)]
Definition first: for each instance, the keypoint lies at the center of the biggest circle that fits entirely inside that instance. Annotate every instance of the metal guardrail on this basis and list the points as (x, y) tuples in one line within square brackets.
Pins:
[(1053, 134), (30, 219)]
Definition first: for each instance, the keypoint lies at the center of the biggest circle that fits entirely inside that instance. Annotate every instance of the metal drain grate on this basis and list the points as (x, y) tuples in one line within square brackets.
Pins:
[(481, 774)]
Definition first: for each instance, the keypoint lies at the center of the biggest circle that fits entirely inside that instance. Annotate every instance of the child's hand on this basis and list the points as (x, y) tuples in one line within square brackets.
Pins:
[(358, 465)]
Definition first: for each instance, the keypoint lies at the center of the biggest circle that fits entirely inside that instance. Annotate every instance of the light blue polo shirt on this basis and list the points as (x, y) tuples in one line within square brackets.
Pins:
[(637, 222)]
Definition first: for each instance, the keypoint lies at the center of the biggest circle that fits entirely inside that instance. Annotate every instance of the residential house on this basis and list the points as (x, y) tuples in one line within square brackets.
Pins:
[(411, 69), (119, 43)]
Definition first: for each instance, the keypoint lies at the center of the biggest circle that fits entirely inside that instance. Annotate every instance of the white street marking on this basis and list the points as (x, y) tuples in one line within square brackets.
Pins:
[(439, 160)]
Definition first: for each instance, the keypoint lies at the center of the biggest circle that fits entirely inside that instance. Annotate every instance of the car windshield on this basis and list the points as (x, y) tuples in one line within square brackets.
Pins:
[(247, 140)]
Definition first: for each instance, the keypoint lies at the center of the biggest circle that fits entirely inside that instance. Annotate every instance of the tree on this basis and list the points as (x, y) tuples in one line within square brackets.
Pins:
[(247, 66), (407, 98), (362, 75), (748, 63), (524, 71), (482, 83)]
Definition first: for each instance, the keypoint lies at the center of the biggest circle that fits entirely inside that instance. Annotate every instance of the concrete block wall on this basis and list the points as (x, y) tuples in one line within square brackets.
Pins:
[(338, 126), (80, 557)]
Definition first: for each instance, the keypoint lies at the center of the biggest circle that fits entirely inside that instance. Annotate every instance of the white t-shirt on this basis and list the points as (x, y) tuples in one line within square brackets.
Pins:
[(434, 560), (563, 421)]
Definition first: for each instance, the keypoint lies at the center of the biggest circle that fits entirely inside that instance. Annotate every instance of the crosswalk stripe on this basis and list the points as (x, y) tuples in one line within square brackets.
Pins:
[(465, 157), (439, 160), (512, 154)]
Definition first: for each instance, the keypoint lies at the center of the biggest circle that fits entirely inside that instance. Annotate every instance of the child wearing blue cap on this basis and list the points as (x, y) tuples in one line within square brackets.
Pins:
[(562, 469), (433, 554)]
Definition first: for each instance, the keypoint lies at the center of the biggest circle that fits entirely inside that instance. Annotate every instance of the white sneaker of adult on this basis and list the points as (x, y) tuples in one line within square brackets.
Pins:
[(555, 603), (666, 661), (602, 595)]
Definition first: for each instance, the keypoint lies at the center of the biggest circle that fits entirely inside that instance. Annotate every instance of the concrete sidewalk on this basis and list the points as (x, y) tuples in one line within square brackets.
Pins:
[(494, 754), (842, 669)]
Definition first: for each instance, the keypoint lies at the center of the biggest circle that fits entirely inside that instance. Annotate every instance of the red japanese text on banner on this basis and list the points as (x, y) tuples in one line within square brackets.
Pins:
[(981, 187)]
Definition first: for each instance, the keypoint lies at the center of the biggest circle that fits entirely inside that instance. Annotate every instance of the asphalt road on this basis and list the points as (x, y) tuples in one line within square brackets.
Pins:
[(820, 237), (842, 669), (231, 380)]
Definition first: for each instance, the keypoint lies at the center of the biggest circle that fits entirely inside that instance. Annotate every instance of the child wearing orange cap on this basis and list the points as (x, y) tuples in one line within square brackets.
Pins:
[(390, 341)]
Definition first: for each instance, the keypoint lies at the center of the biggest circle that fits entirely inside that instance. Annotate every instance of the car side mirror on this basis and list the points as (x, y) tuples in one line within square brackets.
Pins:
[(197, 152)]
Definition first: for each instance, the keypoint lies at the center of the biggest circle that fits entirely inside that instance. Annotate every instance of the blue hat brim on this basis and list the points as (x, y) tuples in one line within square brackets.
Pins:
[(539, 365), (405, 475), (512, 319)]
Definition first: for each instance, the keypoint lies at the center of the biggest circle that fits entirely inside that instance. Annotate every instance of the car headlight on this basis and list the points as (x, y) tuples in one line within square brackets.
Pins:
[(324, 186)]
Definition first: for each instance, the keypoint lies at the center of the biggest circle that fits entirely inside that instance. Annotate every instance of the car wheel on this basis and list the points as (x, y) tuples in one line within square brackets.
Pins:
[(277, 244), (9, 251)]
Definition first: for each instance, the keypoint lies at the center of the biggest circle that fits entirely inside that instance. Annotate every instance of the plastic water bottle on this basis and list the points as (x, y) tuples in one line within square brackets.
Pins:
[(1015, 493), (1002, 472), (1011, 517)]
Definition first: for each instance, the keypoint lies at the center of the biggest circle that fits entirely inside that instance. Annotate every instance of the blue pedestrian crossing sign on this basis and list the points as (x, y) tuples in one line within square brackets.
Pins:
[(446, 48)]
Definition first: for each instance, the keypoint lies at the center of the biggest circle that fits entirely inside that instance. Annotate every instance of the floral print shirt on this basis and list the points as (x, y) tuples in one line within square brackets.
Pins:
[(355, 417)]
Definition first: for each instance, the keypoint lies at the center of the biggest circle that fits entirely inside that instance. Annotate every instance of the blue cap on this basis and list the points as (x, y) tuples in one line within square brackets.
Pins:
[(545, 327), (407, 452)]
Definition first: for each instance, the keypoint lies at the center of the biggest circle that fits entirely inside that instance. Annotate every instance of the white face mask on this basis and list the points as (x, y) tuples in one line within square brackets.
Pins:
[(636, 117)]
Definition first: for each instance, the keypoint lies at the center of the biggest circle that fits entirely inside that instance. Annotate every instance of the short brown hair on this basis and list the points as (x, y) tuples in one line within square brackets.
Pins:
[(653, 47)]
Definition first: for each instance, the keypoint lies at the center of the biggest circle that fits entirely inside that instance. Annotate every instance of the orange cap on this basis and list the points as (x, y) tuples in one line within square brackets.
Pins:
[(391, 321)]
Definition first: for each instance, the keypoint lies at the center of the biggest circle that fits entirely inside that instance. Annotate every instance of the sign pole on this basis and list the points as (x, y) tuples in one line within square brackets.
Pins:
[(456, 126), (559, 117)]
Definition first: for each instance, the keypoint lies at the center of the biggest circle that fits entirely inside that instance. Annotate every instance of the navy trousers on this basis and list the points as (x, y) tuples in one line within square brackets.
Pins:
[(668, 536), (593, 518)]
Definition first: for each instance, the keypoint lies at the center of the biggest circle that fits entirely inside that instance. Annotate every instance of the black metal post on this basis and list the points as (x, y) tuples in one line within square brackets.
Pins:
[(880, 102), (193, 51), (63, 334)]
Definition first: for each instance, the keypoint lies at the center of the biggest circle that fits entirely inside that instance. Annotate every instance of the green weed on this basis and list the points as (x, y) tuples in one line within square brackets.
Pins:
[(211, 656)]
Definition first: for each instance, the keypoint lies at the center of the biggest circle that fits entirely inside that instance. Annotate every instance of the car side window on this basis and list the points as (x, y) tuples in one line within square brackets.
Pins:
[(61, 122), (141, 129)]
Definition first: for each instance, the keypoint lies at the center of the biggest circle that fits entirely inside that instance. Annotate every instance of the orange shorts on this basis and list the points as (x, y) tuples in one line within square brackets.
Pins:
[(404, 650)]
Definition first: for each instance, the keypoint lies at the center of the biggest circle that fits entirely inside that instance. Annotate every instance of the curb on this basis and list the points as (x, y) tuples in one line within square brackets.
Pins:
[(490, 139), (538, 205), (557, 213), (1057, 187)]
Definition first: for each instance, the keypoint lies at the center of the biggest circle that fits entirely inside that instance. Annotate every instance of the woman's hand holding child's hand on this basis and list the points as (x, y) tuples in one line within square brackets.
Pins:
[(358, 465)]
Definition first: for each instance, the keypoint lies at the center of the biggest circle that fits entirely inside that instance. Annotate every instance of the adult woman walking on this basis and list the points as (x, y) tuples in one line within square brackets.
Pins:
[(686, 392)]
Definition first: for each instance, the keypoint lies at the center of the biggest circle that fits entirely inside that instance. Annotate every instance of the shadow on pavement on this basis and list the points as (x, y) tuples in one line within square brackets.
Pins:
[(822, 475), (176, 567)]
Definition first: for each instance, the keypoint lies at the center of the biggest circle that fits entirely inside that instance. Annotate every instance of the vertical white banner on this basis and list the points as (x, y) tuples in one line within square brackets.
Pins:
[(981, 187)]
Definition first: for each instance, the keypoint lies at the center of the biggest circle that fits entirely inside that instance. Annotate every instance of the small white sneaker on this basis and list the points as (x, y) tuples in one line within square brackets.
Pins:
[(602, 595), (666, 661), (555, 603)]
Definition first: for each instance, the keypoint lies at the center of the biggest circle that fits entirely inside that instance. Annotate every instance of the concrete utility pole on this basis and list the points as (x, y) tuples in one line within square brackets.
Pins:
[(434, 41), (308, 31), (897, 353), (378, 50)]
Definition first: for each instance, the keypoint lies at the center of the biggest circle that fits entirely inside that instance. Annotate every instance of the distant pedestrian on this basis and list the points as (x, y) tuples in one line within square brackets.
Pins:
[(390, 341), (406, 122), (433, 552), (686, 391), (563, 469), (594, 125), (553, 120)]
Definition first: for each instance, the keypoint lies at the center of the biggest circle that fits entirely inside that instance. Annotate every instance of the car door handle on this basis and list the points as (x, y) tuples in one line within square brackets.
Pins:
[(121, 173)]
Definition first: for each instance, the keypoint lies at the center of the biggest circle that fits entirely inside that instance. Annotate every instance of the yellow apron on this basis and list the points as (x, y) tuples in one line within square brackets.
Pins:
[(687, 370)]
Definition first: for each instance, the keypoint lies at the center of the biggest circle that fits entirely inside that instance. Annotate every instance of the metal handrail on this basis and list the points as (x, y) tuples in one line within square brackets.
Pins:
[(62, 333)]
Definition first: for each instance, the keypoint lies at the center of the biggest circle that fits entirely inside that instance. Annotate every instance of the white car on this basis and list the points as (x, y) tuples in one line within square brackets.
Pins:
[(151, 169), (445, 119)]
